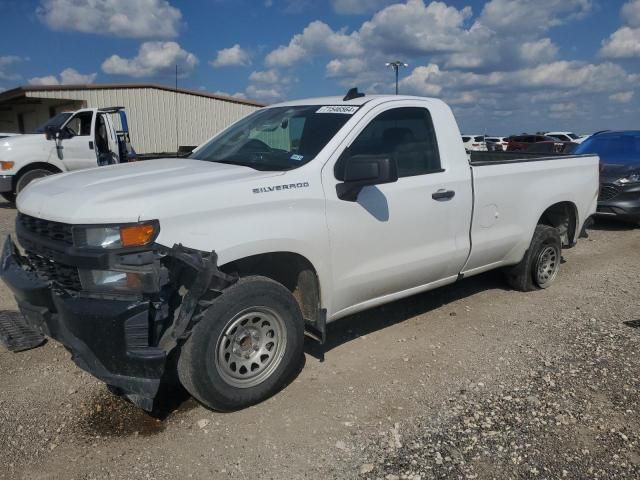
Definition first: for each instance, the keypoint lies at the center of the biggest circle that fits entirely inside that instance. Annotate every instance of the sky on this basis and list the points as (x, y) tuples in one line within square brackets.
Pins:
[(504, 66)]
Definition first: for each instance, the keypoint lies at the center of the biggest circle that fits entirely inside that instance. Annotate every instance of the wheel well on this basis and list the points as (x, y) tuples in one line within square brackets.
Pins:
[(562, 216), (292, 270)]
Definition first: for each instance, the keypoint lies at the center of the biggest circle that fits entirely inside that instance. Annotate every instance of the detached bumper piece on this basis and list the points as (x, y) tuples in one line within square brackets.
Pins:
[(17, 335), (108, 338)]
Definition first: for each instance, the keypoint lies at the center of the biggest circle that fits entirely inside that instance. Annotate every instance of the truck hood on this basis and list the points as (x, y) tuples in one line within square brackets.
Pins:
[(135, 191), (19, 146)]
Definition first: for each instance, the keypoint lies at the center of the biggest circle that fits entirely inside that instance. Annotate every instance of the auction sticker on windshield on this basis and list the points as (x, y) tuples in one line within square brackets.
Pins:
[(346, 109)]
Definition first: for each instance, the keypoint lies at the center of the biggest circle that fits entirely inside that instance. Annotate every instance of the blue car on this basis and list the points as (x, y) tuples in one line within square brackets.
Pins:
[(619, 172)]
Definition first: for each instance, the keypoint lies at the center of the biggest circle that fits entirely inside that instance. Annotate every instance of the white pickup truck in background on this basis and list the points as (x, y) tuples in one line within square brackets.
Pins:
[(69, 141), (213, 267)]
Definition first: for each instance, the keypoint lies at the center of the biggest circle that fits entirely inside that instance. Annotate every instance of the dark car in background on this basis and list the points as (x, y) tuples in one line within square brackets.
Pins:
[(519, 143), (551, 147), (619, 172)]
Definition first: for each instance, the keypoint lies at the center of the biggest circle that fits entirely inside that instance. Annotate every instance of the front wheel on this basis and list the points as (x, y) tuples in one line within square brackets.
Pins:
[(9, 197), (247, 346), (29, 176), (541, 263)]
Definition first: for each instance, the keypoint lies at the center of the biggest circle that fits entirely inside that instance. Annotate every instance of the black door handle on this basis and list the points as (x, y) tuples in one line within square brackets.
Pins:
[(443, 194), (90, 145)]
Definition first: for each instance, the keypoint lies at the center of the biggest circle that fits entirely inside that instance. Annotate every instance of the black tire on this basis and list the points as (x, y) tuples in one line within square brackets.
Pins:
[(28, 176), (9, 197), (525, 276), (205, 365)]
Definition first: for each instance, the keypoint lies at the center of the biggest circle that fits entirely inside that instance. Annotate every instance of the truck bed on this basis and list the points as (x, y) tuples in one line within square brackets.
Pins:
[(511, 195)]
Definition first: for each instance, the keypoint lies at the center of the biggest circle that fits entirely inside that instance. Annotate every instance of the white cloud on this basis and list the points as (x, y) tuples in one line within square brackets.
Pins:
[(518, 16), (153, 59), (122, 18), (357, 7), (266, 76), (418, 28), (569, 79), (69, 76), (631, 13), (265, 94), (622, 97), (268, 86), (425, 80), (415, 27), (625, 42), (7, 62), (538, 51), (345, 67), (234, 56), (46, 80), (316, 38)]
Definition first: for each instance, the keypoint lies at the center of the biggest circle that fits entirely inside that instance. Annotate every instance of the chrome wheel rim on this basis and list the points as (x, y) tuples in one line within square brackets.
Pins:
[(251, 347), (547, 266)]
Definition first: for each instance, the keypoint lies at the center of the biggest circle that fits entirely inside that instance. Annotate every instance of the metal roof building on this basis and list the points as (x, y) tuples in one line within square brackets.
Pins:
[(160, 117)]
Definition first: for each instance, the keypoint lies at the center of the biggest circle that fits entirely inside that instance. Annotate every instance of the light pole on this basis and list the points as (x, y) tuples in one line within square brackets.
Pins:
[(396, 66)]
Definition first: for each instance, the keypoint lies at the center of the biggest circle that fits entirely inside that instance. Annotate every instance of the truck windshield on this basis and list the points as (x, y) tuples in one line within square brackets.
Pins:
[(55, 121), (279, 138)]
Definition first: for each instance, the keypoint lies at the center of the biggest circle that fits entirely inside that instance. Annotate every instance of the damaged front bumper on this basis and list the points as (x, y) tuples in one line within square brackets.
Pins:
[(123, 340)]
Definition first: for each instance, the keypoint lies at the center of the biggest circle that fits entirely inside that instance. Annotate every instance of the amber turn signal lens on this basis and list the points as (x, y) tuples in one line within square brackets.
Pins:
[(137, 235), (6, 165)]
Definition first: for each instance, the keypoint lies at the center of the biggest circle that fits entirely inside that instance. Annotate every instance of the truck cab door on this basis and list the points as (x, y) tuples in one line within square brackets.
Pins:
[(76, 141), (401, 236), (106, 142)]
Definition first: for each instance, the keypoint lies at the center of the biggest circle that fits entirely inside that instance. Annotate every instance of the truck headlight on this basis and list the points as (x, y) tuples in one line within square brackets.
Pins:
[(633, 178), (136, 235), (118, 281)]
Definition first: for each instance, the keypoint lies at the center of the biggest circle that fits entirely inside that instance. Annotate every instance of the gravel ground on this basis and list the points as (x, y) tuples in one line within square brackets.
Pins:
[(469, 381)]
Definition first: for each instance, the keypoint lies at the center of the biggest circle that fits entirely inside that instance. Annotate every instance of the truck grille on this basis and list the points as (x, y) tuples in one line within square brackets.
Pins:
[(607, 192), (40, 254), (57, 232), (65, 275)]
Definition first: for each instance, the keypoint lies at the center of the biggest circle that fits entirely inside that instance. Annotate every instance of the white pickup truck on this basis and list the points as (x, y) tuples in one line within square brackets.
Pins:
[(214, 267), (69, 141)]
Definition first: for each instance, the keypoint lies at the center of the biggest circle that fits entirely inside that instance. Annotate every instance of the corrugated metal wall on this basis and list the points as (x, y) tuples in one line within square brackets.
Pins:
[(151, 114)]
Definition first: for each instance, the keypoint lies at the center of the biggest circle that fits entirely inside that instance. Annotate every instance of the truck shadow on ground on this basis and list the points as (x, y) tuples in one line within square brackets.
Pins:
[(379, 318), (7, 205), (612, 225)]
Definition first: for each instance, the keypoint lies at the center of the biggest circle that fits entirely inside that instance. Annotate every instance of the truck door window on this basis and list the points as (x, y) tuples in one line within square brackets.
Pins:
[(406, 134), (79, 125)]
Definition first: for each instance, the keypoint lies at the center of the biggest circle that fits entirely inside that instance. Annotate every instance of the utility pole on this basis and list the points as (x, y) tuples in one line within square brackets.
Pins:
[(396, 66), (176, 107)]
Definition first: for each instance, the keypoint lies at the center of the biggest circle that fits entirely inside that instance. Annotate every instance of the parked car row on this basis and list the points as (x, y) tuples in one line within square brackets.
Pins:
[(556, 142)]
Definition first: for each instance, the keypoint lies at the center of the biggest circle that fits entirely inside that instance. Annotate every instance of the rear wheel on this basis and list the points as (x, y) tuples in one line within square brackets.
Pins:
[(541, 263), (246, 347)]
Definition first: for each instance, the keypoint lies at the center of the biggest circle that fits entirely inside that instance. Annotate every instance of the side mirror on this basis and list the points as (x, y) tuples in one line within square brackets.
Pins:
[(51, 132), (364, 170)]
